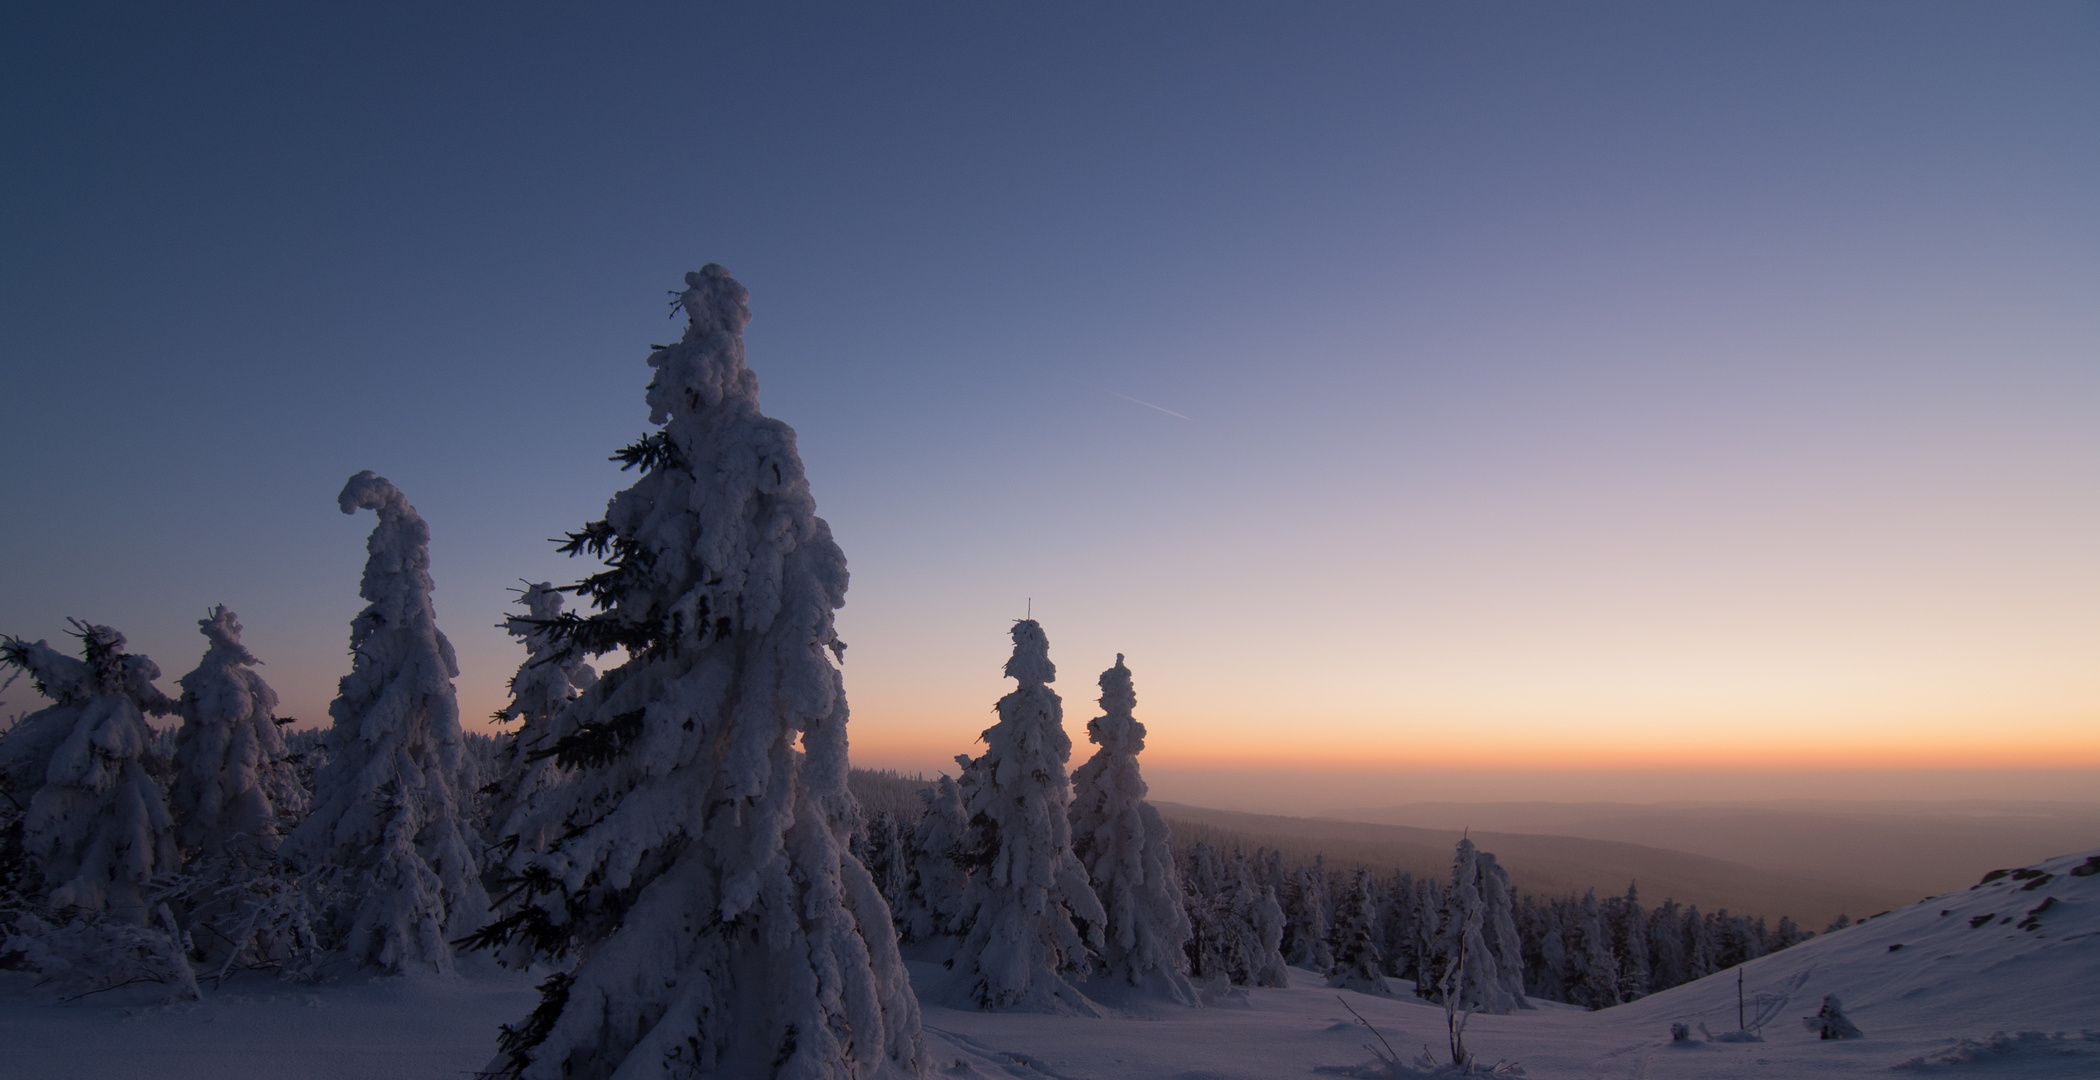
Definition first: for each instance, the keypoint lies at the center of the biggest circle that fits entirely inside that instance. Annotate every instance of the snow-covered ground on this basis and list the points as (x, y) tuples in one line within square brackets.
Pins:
[(1933, 986), (358, 1029)]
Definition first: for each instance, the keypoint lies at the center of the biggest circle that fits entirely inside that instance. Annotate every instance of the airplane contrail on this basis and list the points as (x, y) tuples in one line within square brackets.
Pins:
[(1147, 404)]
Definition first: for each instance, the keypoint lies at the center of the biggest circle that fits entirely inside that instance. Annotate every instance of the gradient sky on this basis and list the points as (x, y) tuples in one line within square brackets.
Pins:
[(1527, 387)]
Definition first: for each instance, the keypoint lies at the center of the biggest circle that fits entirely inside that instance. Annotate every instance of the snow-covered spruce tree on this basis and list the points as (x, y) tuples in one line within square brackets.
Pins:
[(1305, 933), (937, 880), (1665, 932), (1499, 927), (1259, 919), (1426, 932), (1553, 964), (881, 851), (1700, 950), (234, 795), (1356, 961), (386, 820), (1123, 843), (697, 860), (1393, 920), (1596, 969), (1212, 935), (1034, 916), (1629, 932), (97, 827), (553, 675), (233, 791), (1471, 979)]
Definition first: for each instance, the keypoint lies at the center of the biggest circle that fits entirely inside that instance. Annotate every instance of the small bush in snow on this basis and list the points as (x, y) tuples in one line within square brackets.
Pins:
[(1830, 1021)]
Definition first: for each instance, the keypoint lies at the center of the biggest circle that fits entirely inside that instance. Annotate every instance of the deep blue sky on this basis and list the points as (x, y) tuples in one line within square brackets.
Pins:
[(1599, 374)]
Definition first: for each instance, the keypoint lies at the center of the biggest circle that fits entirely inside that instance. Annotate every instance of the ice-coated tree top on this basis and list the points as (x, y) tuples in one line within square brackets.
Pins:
[(397, 570), (690, 379), (1116, 730), (1030, 662), (223, 629), (55, 675)]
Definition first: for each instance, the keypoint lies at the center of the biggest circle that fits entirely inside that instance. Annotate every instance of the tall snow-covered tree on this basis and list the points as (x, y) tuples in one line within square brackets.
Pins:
[(553, 675), (1255, 910), (97, 827), (386, 808), (880, 848), (1237, 923), (1701, 952), (1427, 932), (1596, 969), (233, 788), (1305, 932), (1630, 943), (1213, 937), (1472, 975), (1394, 918), (1034, 917), (1499, 927), (698, 857), (1553, 963), (1665, 932), (1123, 843), (937, 882), (1357, 965)]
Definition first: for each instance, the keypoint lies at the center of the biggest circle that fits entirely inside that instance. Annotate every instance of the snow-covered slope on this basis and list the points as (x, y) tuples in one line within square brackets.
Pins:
[(1934, 1003), (1935, 1006)]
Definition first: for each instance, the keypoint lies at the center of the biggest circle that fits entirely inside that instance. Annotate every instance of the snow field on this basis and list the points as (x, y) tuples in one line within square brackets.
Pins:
[(1947, 993), (1940, 1001)]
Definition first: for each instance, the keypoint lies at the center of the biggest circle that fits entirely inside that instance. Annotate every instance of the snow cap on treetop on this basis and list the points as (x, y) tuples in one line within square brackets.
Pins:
[(223, 629), (1030, 663), (370, 491), (697, 378), (104, 649), (1118, 697), (1115, 729)]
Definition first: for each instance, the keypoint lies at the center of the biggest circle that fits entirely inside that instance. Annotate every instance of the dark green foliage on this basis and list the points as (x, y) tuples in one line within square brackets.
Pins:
[(15, 653), (594, 540), (514, 1043), (600, 634), (592, 745), (652, 451), (529, 922)]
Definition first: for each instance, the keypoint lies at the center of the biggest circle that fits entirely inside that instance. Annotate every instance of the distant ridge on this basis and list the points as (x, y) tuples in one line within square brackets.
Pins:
[(1546, 864), (1914, 848)]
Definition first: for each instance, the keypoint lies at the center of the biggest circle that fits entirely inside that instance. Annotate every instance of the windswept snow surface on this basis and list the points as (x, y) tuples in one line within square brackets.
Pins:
[(1952, 1000), (420, 1027), (1987, 1001)]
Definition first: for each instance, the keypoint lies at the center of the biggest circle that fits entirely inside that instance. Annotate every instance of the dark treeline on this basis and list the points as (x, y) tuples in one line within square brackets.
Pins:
[(1390, 926)]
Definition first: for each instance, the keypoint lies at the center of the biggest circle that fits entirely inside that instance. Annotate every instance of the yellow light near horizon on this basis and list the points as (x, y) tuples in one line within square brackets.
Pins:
[(1206, 739)]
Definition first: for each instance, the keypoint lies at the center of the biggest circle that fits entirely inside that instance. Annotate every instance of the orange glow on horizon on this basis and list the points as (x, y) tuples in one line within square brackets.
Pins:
[(1800, 743), (1548, 753)]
